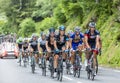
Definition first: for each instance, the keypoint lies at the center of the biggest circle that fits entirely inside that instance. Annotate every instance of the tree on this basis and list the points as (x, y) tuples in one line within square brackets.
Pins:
[(27, 27)]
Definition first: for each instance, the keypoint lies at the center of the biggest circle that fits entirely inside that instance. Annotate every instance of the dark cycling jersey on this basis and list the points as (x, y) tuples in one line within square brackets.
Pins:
[(25, 45), (61, 42), (34, 45), (49, 43), (20, 45), (92, 38)]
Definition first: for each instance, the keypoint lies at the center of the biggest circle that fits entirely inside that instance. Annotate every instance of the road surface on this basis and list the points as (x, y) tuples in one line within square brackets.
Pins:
[(11, 72)]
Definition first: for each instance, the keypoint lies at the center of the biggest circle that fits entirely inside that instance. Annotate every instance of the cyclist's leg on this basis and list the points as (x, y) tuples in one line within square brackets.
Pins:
[(95, 53), (72, 56), (56, 61), (63, 53), (48, 53), (80, 47), (74, 48), (36, 56), (87, 57)]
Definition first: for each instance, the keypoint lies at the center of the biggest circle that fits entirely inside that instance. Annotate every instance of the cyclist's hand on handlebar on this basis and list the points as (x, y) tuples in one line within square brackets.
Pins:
[(57, 51), (89, 49), (66, 50)]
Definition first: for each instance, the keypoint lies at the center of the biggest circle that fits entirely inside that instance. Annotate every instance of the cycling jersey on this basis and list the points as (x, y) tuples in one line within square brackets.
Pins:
[(92, 38), (34, 45), (25, 45), (61, 41), (42, 44), (20, 43), (49, 43), (77, 40)]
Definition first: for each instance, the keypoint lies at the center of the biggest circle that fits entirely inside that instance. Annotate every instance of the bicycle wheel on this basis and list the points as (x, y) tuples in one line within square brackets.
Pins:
[(88, 74), (52, 73), (61, 74), (92, 71), (67, 67), (78, 72), (92, 75), (58, 75), (25, 61), (33, 68), (44, 68), (96, 68), (74, 72), (33, 64), (43, 72), (20, 59)]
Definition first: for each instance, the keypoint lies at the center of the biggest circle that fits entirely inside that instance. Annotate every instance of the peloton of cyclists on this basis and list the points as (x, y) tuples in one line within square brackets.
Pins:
[(72, 41)]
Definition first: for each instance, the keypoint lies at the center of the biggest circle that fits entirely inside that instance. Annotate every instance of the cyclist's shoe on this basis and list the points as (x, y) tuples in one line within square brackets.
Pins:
[(55, 74), (71, 69), (95, 73)]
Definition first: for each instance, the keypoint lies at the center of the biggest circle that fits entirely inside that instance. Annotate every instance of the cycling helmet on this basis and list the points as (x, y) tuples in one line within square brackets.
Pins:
[(77, 29), (92, 24), (25, 40), (34, 35), (62, 28), (20, 39), (51, 30), (42, 34)]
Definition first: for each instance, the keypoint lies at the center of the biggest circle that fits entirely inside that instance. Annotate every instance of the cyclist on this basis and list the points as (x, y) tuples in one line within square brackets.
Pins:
[(62, 41), (33, 46), (92, 38), (19, 43), (41, 44), (77, 43), (51, 45)]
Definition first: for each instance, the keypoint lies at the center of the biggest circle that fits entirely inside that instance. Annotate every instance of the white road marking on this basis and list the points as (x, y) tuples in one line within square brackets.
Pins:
[(79, 82), (117, 71), (67, 78)]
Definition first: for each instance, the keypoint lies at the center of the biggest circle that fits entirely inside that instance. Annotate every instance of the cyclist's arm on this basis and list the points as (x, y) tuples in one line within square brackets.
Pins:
[(83, 39), (97, 42), (67, 44), (39, 49), (86, 42), (55, 45), (47, 47), (70, 42), (29, 46)]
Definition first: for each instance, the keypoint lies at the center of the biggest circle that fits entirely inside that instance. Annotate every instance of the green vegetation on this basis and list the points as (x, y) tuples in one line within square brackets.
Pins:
[(39, 15)]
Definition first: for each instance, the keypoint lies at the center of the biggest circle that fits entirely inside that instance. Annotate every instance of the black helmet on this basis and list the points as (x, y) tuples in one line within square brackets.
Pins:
[(51, 30), (92, 24), (42, 34), (62, 28)]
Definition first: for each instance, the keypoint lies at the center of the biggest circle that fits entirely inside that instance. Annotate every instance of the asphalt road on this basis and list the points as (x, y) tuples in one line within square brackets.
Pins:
[(11, 72)]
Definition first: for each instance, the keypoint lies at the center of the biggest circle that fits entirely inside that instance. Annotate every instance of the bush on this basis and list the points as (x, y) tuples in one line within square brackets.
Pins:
[(46, 24), (27, 27)]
